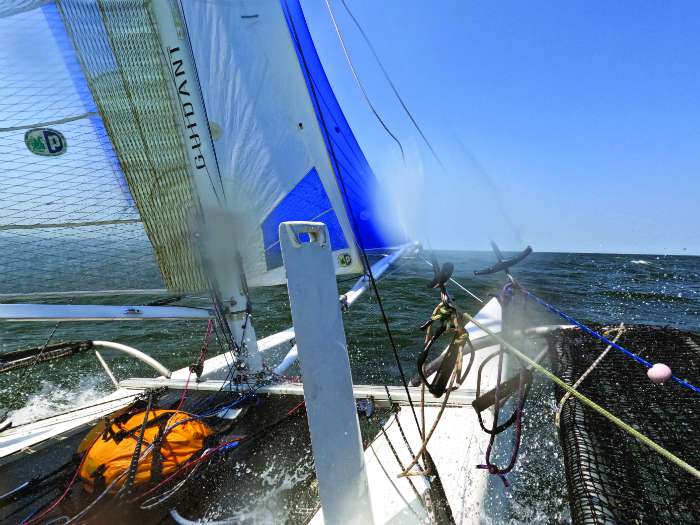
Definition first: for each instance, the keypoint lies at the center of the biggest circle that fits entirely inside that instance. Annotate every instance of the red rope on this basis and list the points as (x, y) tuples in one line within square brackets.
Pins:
[(184, 390), (58, 501), (295, 408), (191, 464), (202, 356), (209, 452), (65, 493)]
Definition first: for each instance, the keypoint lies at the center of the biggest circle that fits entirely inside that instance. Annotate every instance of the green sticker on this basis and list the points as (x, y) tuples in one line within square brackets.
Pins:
[(45, 142)]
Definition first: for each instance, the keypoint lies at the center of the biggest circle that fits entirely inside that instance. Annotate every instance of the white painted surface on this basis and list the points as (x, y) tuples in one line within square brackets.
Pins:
[(376, 393), (378, 269), (456, 447), (96, 312), (40, 433), (288, 360), (136, 354), (330, 405), (217, 367), (352, 295)]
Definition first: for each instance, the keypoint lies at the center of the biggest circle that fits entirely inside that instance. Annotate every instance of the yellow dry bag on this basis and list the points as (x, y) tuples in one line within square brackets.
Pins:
[(175, 436)]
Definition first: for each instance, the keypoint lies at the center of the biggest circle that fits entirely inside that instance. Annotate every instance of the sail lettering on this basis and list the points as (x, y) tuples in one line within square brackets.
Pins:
[(181, 89), (196, 143), (178, 66)]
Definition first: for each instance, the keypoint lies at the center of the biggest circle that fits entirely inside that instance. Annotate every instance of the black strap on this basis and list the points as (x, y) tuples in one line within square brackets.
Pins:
[(157, 460), (123, 433), (506, 389), (522, 380), (98, 479)]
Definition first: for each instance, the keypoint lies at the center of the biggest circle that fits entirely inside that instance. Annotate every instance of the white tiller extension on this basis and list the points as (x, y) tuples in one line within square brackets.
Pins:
[(328, 389)]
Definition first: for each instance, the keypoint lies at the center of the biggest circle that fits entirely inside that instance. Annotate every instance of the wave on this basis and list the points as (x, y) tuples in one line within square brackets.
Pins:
[(640, 261), (52, 399), (647, 296)]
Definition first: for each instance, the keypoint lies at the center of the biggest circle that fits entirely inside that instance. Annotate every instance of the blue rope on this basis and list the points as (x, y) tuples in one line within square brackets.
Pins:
[(229, 446), (604, 339)]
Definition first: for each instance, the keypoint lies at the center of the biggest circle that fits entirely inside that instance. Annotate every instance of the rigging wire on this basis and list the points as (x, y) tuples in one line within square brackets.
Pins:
[(587, 401), (600, 337), (361, 86), (480, 169), (560, 406), (421, 429), (464, 289), (33, 519), (572, 391), (219, 448), (34, 362), (388, 79), (351, 214)]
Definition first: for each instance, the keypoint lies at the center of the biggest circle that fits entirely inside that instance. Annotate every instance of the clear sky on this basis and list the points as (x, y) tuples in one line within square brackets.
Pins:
[(571, 126)]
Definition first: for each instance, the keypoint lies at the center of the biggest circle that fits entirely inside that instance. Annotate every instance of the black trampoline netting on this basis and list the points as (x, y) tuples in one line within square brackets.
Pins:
[(612, 477)]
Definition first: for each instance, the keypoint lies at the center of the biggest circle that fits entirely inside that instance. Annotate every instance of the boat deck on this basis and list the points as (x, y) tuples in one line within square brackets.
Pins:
[(456, 447)]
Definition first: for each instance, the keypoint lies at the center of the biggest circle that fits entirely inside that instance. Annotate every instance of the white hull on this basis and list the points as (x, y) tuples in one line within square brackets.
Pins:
[(456, 447)]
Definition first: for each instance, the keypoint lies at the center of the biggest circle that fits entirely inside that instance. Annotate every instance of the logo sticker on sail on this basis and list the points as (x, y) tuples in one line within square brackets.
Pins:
[(45, 142), (344, 259)]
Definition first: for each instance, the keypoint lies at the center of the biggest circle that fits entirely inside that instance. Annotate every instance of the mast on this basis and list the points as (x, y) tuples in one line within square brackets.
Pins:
[(222, 258)]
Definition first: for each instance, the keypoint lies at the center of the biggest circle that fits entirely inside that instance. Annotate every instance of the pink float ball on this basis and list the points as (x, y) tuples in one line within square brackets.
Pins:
[(659, 373)]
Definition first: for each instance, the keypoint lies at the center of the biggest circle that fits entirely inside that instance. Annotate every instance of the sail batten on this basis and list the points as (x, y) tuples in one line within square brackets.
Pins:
[(40, 226)]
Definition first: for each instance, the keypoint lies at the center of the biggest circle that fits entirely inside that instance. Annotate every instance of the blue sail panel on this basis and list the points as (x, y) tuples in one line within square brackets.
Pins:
[(356, 180), (271, 151), (308, 201)]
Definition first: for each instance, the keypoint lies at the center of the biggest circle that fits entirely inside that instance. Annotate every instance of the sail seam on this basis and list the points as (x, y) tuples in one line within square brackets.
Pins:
[(89, 114), (37, 226)]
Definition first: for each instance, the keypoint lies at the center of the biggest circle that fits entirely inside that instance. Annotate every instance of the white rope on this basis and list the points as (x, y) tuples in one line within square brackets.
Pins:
[(592, 404), (565, 397), (455, 282)]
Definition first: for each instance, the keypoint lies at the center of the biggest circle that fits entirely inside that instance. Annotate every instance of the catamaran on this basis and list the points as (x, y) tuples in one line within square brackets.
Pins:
[(204, 139)]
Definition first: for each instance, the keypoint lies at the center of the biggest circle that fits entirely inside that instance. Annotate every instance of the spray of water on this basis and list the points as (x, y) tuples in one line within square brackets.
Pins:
[(51, 399)]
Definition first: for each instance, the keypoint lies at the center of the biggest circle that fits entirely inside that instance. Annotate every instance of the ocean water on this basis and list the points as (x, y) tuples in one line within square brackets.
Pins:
[(648, 289)]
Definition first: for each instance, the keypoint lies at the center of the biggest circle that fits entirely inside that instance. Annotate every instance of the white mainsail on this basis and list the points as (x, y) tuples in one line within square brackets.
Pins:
[(285, 150), (283, 147)]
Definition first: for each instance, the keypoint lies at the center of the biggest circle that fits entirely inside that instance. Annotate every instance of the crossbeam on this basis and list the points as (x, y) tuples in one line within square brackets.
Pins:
[(96, 312), (382, 396)]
